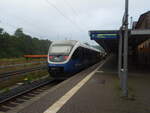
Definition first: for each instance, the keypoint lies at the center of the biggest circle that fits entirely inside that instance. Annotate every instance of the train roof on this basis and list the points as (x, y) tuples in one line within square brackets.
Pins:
[(74, 42), (88, 46), (69, 42)]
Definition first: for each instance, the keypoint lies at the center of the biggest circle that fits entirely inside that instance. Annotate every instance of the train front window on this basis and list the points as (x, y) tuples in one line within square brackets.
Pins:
[(60, 49)]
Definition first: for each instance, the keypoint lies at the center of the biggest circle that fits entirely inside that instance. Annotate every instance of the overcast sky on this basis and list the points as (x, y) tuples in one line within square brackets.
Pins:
[(66, 19)]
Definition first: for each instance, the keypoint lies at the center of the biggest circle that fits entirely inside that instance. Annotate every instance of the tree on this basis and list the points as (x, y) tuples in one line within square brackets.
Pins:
[(20, 44), (1, 30), (19, 32)]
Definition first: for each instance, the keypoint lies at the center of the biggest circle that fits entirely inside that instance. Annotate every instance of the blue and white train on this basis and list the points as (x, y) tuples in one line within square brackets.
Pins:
[(68, 57)]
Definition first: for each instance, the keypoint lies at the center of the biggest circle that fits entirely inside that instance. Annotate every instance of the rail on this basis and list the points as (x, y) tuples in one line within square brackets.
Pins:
[(23, 89), (22, 71), (23, 64)]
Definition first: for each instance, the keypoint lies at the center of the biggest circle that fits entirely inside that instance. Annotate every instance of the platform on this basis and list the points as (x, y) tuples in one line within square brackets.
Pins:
[(94, 90)]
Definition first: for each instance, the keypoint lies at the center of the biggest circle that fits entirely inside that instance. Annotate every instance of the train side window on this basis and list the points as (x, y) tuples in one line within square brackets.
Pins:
[(76, 54), (87, 53)]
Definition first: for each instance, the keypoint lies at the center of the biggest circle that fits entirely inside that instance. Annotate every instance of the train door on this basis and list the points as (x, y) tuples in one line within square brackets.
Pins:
[(77, 57)]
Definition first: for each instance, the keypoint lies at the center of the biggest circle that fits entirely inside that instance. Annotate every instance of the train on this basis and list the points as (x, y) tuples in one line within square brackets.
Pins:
[(68, 57)]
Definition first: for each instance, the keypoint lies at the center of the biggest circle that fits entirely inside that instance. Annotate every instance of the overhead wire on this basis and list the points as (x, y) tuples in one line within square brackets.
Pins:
[(59, 11), (73, 10), (62, 14)]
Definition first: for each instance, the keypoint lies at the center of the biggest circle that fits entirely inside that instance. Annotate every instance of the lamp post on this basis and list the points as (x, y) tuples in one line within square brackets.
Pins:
[(125, 51)]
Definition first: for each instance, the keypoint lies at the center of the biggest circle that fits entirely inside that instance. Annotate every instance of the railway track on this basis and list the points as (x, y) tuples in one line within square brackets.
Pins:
[(22, 71), (23, 64), (23, 90)]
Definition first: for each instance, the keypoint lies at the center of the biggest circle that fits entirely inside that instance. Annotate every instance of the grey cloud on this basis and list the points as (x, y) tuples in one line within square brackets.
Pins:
[(38, 18)]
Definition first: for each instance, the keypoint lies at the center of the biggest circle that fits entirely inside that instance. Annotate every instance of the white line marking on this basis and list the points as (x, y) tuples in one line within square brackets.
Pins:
[(58, 104)]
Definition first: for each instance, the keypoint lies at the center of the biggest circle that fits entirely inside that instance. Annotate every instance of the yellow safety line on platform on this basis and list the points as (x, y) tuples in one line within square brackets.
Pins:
[(59, 104)]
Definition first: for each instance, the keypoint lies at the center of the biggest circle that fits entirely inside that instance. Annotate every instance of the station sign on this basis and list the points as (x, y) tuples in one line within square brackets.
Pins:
[(99, 36), (104, 35)]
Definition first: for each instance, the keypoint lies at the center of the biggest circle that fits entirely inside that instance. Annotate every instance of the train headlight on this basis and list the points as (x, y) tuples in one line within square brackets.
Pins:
[(66, 57), (50, 57)]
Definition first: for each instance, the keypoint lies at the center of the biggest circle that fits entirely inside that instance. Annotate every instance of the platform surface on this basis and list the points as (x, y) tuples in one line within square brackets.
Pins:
[(92, 91)]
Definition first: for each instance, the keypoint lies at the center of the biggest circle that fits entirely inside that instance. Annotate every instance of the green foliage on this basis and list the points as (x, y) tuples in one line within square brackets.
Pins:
[(19, 32), (1, 30), (19, 44)]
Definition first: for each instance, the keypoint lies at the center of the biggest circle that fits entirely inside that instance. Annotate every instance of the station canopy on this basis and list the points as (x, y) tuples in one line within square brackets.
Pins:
[(109, 39)]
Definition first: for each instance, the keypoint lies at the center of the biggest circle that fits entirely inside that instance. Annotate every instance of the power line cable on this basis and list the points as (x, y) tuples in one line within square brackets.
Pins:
[(74, 11), (62, 14)]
